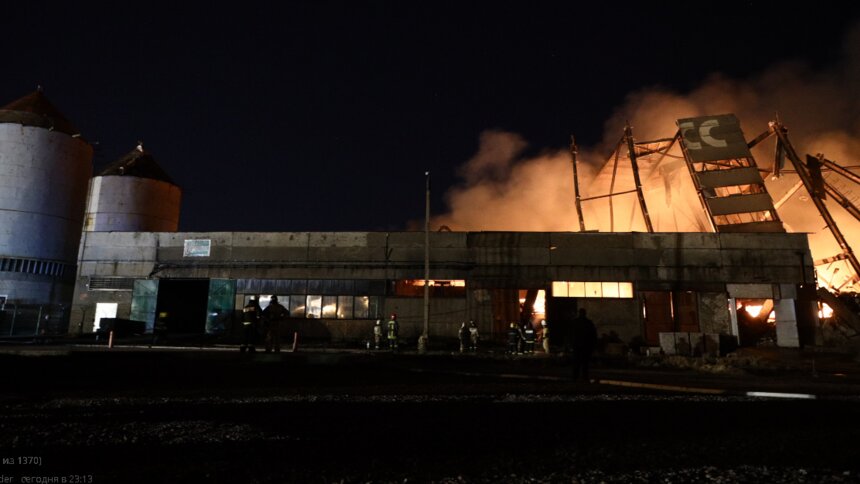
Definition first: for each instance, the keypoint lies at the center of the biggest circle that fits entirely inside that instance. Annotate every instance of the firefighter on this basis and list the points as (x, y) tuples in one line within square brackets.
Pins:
[(513, 338), (273, 316), (545, 336), (473, 336), (159, 333), (529, 338), (377, 334), (393, 329), (250, 321), (463, 335)]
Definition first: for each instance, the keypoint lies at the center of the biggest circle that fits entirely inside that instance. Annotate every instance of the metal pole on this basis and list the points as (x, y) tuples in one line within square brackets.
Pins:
[(38, 321), (422, 343), (842, 171), (631, 149), (578, 203)]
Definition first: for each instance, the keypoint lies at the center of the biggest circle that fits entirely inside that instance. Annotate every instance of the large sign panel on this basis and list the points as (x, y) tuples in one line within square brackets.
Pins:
[(197, 248), (713, 138)]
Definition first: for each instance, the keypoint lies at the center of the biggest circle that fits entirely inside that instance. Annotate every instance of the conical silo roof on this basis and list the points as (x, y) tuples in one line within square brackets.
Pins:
[(34, 109), (138, 162)]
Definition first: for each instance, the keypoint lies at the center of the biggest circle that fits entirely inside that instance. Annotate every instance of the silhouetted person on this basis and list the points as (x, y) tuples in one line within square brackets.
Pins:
[(250, 320), (513, 338), (159, 332), (273, 316), (463, 336), (583, 339)]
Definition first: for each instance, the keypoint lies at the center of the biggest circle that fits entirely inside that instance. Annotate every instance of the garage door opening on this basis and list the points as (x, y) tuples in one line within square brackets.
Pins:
[(185, 302)]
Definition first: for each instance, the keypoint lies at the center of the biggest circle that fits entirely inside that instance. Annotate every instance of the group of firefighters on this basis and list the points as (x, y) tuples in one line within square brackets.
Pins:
[(391, 332), (521, 338), (271, 319)]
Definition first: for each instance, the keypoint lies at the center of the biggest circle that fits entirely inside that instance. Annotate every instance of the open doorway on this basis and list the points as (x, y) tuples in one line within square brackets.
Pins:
[(185, 302), (756, 322)]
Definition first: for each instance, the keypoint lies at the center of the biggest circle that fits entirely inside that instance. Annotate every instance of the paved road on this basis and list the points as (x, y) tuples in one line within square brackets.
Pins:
[(169, 415)]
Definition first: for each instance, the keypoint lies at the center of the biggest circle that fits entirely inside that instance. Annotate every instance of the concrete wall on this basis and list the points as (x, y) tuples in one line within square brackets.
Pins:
[(619, 315), (706, 263)]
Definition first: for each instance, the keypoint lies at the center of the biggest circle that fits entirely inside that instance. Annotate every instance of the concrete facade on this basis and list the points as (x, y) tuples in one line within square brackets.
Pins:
[(714, 267)]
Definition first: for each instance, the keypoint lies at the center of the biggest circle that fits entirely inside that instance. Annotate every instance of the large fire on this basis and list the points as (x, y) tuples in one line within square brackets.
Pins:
[(503, 190)]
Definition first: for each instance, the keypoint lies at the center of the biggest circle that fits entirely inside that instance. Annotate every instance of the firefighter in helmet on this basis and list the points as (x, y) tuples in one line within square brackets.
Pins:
[(250, 320), (393, 330), (377, 334)]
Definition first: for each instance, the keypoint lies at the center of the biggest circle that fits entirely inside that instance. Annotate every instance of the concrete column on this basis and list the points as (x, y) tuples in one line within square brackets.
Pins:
[(733, 314), (786, 324)]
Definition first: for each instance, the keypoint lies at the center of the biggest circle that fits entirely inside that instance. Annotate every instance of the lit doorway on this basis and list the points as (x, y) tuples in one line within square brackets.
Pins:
[(104, 310)]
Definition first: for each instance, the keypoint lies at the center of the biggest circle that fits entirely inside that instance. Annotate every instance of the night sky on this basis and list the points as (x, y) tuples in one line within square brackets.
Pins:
[(325, 115)]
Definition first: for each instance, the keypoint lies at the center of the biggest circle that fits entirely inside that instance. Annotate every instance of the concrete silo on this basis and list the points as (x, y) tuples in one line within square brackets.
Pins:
[(133, 194), (44, 169)]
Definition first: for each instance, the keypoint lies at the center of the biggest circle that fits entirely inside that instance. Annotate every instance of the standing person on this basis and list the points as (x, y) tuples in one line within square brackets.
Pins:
[(513, 338), (529, 338), (377, 334), (463, 335), (159, 332), (545, 336), (274, 315), (393, 330), (250, 321), (473, 336), (584, 336)]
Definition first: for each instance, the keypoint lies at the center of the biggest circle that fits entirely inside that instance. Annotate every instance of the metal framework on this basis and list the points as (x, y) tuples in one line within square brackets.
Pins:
[(726, 176), (628, 140)]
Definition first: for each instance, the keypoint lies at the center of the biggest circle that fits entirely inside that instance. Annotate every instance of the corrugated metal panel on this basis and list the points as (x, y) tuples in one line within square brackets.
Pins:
[(758, 202), (713, 138), (728, 178)]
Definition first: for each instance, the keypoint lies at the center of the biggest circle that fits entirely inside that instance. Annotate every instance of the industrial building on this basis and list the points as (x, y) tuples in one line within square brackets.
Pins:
[(131, 263), (336, 284)]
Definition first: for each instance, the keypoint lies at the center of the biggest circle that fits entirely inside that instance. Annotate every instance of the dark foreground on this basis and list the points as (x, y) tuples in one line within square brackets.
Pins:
[(221, 417)]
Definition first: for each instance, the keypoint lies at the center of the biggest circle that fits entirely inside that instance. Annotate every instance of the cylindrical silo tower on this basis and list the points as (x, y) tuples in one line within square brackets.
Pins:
[(44, 169), (133, 194)]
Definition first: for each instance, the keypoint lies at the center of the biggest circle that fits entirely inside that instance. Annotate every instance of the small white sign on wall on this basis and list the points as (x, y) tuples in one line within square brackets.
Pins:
[(197, 248)]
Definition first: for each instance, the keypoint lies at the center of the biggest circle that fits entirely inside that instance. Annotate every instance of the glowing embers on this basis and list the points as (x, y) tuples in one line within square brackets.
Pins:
[(438, 287), (438, 282), (622, 290)]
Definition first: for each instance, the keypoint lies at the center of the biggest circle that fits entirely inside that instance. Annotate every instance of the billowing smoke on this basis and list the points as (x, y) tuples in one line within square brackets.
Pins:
[(502, 190)]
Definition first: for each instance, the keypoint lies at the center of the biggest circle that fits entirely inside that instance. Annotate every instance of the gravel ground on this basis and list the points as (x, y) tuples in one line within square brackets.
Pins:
[(175, 418)]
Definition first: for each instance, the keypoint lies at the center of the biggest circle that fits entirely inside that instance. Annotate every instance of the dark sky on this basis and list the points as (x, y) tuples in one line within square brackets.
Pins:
[(325, 115)]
